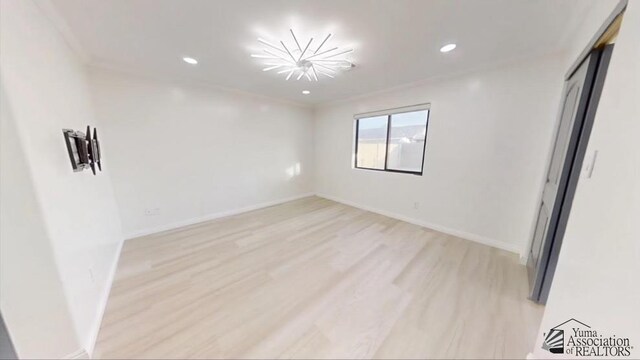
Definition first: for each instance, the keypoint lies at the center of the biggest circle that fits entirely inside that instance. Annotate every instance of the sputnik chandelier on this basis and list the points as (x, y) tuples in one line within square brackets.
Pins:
[(308, 61)]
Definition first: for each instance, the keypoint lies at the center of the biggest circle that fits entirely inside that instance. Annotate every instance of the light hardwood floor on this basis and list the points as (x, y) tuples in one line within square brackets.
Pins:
[(314, 278)]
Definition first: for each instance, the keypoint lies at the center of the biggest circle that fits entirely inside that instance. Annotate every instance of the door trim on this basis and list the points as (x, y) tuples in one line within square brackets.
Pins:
[(595, 40)]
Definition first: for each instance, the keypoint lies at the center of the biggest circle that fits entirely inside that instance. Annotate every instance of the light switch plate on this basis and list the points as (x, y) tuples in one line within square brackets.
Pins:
[(591, 163)]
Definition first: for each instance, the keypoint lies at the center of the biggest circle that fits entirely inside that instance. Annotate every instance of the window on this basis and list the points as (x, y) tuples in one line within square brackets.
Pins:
[(372, 142), (392, 140)]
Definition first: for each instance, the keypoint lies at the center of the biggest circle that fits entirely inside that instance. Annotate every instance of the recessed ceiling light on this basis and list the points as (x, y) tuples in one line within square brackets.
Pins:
[(447, 48), (190, 60), (310, 59), (306, 92)]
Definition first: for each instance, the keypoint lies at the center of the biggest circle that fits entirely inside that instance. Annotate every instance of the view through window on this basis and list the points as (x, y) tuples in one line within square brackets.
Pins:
[(392, 142)]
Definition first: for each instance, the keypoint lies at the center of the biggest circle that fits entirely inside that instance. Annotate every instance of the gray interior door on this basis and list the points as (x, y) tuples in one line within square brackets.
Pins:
[(574, 105)]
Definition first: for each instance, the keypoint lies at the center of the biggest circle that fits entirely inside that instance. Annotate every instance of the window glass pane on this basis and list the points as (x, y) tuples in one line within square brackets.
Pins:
[(406, 141), (372, 138)]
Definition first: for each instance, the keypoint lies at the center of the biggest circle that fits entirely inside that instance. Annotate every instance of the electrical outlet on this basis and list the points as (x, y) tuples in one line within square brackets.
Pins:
[(152, 211)]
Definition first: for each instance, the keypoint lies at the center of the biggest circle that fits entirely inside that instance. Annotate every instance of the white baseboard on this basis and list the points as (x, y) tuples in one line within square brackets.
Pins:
[(458, 233), (221, 214), (82, 354), (78, 354), (93, 336)]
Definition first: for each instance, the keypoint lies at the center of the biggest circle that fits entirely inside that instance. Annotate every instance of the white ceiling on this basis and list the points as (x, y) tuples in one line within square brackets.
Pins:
[(396, 41)]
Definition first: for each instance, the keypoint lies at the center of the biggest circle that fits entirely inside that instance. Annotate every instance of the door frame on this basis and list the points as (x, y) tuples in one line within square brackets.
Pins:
[(5, 339), (570, 173), (598, 36)]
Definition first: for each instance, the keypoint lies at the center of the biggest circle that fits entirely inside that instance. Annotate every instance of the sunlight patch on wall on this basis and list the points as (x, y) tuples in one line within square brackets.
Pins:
[(293, 171)]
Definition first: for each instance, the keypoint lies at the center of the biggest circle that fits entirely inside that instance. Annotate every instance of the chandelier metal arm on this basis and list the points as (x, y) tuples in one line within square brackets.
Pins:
[(295, 39), (273, 67), (325, 67), (322, 43), (269, 44), (340, 53), (322, 53), (288, 52), (288, 61), (304, 61), (291, 73), (305, 49)]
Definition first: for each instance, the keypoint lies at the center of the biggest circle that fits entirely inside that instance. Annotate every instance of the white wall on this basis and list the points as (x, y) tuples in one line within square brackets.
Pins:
[(46, 90), (32, 298), (196, 152), (597, 280), (487, 144)]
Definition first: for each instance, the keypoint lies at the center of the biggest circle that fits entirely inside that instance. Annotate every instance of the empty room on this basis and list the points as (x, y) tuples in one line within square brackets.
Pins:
[(319, 179)]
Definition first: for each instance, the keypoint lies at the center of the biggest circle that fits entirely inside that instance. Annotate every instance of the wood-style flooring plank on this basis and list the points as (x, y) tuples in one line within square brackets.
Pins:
[(313, 278)]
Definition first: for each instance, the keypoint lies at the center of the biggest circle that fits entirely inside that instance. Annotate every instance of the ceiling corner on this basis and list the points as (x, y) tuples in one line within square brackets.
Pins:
[(58, 21)]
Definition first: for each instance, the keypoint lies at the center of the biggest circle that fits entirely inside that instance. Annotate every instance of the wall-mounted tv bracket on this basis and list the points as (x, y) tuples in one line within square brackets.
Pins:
[(84, 151)]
